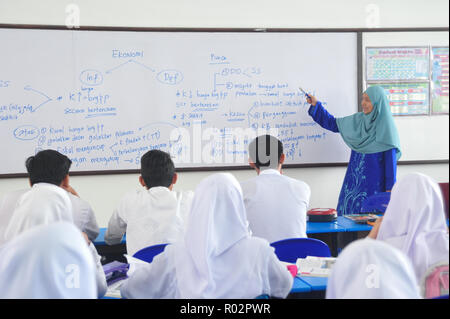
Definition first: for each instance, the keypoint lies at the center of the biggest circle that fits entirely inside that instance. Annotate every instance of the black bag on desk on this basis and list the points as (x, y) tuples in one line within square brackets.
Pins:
[(322, 215)]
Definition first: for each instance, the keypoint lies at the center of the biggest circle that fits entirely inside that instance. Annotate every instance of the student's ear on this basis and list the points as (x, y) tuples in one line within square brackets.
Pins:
[(282, 158), (65, 182), (29, 181), (253, 165), (174, 178), (250, 162), (142, 182)]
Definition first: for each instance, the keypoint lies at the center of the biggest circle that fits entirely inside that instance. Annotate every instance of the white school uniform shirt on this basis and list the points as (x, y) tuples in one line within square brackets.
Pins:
[(149, 217), (217, 257), (276, 205), (8, 203), (372, 269), (83, 215), (414, 222), (48, 261), (45, 204)]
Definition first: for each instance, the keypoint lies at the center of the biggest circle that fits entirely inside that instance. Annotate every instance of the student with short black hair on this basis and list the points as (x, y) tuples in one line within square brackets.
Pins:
[(49, 168), (152, 215), (46, 204), (276, 204)]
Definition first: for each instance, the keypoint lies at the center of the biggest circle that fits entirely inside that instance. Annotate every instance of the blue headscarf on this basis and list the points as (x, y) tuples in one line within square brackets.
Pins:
[(374, 132)]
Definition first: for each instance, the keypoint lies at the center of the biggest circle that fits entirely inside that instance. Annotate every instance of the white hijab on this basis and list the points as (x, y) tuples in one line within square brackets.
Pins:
[(414, 222), (371, 269), (48, 261), (217, 256), (42, 204)]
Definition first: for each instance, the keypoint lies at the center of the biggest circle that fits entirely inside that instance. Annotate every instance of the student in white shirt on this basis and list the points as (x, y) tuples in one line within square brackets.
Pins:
[(217, 257), (50, 167), (276, 204), (154, 214), (414, 222), (46, 204), (47, 262), (372, 269)]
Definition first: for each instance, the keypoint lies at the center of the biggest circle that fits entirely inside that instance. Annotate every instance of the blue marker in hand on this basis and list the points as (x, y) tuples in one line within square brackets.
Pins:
[(304, 92)]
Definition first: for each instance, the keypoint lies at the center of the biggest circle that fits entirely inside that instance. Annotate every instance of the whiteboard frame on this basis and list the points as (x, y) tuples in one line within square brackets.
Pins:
[(360, 79)]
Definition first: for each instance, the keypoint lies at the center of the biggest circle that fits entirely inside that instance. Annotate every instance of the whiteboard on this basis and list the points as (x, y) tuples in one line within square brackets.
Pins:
[(104, 98)]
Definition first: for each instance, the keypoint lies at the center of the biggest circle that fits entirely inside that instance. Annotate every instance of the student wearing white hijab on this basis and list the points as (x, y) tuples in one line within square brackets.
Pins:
[(217, 257), (46, 204), (42, 204), (414, 222), (371, 269), (47, 262)]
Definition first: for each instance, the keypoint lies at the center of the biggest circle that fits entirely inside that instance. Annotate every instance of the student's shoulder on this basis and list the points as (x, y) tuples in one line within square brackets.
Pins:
[(248, 183), (13, 195), (299, 187), (133, 196), (296, 182), (78, 200)]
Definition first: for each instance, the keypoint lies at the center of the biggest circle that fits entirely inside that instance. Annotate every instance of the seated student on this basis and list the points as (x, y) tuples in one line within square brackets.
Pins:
[(371, 269), (217, 257), (276, 204), (47, 204), (48, 261), (414, 222), (153, 215), (50, 167)]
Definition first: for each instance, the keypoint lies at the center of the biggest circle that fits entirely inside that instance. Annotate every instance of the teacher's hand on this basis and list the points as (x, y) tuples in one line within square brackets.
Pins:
[(311, 100)]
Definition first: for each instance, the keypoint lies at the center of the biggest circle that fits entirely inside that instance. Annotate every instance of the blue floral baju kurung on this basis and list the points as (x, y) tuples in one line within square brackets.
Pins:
[(367, 174)]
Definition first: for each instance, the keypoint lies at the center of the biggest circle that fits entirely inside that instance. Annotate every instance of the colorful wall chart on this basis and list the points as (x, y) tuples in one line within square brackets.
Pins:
[(387, 64), (439, 75), (407, 98)]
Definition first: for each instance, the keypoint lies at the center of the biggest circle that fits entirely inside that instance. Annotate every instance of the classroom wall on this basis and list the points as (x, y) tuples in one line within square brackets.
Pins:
[(104, 192)]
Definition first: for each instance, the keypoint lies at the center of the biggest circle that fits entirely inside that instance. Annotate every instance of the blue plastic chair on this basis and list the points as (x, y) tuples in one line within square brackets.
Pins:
[(147, 254), (441, 297), (289, 250)]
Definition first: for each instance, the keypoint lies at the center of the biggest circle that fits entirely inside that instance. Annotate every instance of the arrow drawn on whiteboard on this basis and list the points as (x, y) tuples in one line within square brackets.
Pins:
[(29, 88), (111, 148), (129, 61)]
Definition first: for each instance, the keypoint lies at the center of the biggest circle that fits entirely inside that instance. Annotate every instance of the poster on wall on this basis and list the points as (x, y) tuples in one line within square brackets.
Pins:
[(394, 64), (407, 98), (439, 80)]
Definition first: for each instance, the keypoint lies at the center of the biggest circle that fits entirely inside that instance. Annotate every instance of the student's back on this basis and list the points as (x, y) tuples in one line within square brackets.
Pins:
[(83, 215), (149, 217), (276, 205), (49, 168), (155, 214), (414, 222), (8, 203), (47, 261)]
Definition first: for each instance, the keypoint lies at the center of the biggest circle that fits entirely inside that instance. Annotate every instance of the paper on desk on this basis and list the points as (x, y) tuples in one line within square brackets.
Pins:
[(315, 266), (113, 291)]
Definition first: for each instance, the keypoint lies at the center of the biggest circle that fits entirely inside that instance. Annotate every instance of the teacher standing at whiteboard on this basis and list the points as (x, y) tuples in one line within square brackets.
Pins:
[(373, 138)]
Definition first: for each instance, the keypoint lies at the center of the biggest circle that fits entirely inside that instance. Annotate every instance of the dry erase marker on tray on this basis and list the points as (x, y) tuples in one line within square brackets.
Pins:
[(304, 92)]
